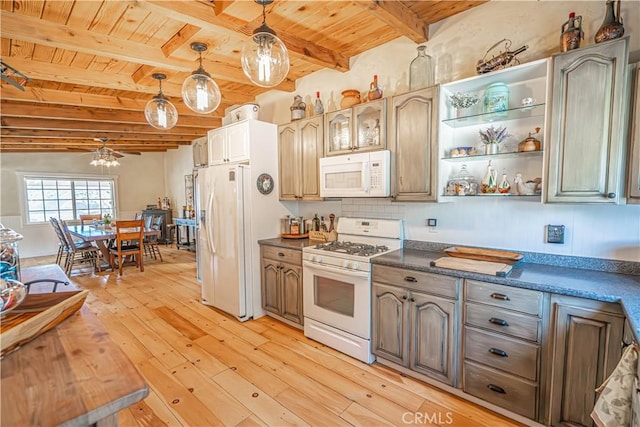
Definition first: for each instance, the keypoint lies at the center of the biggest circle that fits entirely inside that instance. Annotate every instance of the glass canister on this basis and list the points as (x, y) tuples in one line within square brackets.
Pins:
[(463, 184), (421, 70), (9, 255), (496, 98)]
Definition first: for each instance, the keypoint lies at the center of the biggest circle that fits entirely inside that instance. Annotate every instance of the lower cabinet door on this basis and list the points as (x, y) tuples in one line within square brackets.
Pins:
[(389, 323), (432, 340), (291, 277), (270, 293), (587, 348)]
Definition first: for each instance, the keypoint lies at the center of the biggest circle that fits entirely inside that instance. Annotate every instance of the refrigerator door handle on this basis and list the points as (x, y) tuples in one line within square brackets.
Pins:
[(210, 220)]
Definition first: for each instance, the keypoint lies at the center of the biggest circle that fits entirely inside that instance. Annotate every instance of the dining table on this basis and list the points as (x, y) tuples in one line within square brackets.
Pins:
[(102, 236), (71, 375)]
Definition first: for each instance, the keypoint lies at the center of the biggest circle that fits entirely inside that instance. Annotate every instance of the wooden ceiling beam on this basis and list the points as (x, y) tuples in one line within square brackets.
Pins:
[(400, 18), (89, 135), (47, 149), (64, 112), (200, 14), (64, 74), (115, 144), (75, 125), (47, 33), (89, 100)]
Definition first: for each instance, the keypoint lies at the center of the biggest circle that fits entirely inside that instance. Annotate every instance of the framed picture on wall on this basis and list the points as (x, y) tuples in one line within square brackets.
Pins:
[(188, 190)]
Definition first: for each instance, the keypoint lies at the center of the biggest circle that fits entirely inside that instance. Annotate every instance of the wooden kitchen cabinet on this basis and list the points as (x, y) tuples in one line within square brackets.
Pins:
[(360, 128), (412, 328), (229, 144), (300, 147), (586, 347), (633, 192), (414, 133), (281, 283), (586, 139)]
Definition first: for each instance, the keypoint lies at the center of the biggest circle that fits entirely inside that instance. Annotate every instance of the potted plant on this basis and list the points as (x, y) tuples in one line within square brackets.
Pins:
[(492, 137), (461, 101), (106, 218)]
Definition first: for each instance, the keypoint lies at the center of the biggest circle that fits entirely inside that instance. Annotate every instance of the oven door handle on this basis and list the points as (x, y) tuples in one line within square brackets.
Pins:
[(332, 269)]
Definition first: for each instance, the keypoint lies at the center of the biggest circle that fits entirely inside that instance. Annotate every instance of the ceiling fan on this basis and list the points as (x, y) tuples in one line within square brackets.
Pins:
[(105, 156)]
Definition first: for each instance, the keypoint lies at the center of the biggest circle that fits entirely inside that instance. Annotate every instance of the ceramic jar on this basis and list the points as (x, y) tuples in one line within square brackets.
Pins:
[(496, 98), (350, 97), (298, 108)]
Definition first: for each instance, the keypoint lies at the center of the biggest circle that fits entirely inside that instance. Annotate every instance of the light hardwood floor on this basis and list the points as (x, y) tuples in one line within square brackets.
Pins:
[(204, 368)]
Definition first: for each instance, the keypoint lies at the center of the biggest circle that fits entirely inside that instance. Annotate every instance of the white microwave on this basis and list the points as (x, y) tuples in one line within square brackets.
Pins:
[(356, 175)]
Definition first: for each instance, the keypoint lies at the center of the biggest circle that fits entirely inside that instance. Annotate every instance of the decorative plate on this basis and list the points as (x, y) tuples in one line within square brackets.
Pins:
[(265, 183)]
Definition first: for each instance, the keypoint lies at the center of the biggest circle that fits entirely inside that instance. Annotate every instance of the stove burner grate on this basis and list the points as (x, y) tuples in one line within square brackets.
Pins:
[(350, 248)]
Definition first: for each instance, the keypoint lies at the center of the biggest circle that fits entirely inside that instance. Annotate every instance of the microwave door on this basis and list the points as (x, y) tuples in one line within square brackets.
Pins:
[(344, 180)]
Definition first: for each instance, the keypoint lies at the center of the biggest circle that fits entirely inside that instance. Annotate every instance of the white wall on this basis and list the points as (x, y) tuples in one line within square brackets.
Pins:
[(140, 181), (456, 44)]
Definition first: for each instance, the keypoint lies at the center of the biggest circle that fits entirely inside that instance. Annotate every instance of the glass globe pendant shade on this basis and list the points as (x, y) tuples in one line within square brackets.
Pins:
[(159, 111), (265, 59), (201, 93)]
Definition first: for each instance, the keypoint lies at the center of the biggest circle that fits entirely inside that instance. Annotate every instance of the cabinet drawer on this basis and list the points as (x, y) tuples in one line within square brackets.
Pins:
[(291, 256), (523, 300), (435, 284), (504, 353), (503, 321), (509, 392)]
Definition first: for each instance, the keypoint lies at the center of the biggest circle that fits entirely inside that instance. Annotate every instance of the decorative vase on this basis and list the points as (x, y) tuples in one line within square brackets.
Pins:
[(374, 90), (350, 97), (496, 98), (571, 33), (489, 182), (611, 27), (421, 70), (297, 108), (504, 186), (492, 148)]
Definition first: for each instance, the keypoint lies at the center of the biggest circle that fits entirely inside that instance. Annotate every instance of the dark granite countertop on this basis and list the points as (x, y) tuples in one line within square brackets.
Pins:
[(596, 285), (286, 243)]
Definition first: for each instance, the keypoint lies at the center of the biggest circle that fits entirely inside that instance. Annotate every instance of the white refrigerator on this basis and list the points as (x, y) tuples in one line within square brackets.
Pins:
[(231, 216)]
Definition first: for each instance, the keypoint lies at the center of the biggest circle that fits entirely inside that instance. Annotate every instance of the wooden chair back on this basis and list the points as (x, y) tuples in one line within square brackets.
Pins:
[(129, 241), (88, 219)]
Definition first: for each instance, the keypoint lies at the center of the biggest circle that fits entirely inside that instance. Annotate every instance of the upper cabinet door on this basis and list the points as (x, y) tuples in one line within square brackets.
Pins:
[(238, 142), (338, 132), (634, 152), (369, 125), (288, 161), (217, 146), (588, 124), (414, 136), (311, 146)]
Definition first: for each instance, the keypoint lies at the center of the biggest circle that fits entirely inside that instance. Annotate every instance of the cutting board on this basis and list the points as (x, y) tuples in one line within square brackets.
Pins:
[(484, 267)]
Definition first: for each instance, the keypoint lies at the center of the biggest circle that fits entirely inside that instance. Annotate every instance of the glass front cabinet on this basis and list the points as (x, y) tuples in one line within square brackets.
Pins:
[(357, 129)]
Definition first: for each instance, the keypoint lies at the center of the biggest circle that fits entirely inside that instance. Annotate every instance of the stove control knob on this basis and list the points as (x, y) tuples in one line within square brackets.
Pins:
[(355, 266), (345, 264)]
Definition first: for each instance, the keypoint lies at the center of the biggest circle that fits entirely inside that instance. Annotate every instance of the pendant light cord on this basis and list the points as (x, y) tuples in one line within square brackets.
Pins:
[(264, 14)]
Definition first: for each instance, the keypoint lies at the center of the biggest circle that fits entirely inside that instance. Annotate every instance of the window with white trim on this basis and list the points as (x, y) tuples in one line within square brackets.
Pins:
[(67, 198)]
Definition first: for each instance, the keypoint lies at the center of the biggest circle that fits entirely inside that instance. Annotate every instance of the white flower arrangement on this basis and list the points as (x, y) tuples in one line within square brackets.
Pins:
[(463, 100), (493, 135)]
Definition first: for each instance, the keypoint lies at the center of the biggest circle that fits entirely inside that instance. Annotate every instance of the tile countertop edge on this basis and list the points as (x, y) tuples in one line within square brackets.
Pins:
[(620, 288)]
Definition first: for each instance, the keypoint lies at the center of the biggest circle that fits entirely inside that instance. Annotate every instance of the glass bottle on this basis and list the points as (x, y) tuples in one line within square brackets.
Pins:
[(489, 184), (571, 33), (504, 185), (611, 27), (421, 70), (316, 223), (318, 108)]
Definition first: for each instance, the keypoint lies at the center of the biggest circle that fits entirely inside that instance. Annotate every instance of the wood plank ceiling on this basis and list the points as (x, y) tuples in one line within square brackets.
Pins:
[(91, 61)]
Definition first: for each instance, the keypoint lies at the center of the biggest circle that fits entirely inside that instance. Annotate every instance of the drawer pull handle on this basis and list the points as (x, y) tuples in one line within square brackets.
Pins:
[(500, 322), (280, 254), (498, 352), (404, 297), (495, 388), (410, 279), (501, 297)]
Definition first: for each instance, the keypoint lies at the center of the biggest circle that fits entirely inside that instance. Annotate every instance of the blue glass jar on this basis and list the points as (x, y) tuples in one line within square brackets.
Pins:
[(496, 98)]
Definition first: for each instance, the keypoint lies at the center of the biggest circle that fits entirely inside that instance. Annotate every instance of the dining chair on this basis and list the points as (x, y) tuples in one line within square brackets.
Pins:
[(128, 232), (151, 246), (88, 219), (79, 251), (63, 246)]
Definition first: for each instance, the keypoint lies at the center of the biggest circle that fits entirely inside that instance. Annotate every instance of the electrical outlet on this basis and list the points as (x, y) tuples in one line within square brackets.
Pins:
[(432, 222), (555, 233)]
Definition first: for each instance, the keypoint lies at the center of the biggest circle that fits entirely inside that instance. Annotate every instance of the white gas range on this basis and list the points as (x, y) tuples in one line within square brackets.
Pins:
[(337, 284)]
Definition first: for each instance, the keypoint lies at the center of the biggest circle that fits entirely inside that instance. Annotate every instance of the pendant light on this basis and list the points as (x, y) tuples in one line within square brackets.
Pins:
[(199, 91), (264, 57), (159, 111)]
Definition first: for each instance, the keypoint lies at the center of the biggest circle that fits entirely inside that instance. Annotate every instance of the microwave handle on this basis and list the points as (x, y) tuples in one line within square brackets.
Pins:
[(366, 177)]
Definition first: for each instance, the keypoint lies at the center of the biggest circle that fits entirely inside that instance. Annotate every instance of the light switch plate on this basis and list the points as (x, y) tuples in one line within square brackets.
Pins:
[(555, 233)]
